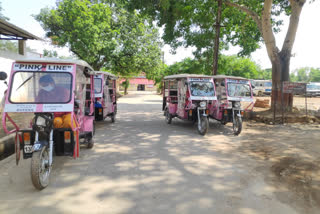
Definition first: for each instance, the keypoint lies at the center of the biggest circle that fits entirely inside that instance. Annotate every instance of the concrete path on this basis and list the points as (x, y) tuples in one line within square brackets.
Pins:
[(140, 164)]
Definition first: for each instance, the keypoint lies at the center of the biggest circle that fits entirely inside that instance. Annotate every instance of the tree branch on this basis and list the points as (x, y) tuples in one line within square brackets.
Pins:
[(267, 32), (251, 13), (296, 7)]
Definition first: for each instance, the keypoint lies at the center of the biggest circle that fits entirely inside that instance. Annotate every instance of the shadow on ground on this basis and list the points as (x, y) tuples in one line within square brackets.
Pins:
[(140, 164)]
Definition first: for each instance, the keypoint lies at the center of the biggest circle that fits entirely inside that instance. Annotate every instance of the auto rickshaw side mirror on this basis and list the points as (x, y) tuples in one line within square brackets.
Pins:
[(222, 83), (252, 86), (107, 82), (3, 75)]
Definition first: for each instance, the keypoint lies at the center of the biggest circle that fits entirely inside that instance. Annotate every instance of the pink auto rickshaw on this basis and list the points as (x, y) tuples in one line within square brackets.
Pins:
[(56, 92), (234, 98), (105, 92), (188, 97)]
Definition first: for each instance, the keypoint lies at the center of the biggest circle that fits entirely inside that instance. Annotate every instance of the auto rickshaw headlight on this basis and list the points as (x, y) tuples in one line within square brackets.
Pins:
[(237, 104), (203, 104), (40, 121)]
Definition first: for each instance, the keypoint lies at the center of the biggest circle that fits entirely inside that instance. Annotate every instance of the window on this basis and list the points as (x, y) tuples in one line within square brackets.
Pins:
[(97, 85), (201, 89), (239, 90), (41, 87)]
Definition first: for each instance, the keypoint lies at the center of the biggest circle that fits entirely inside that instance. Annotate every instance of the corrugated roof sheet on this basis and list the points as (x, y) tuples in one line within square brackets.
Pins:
[(13, 32)]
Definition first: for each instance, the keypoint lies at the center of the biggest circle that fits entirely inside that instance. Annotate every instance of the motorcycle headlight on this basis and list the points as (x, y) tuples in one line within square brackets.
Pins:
[(40, 121), (237, 105), (203, 104)]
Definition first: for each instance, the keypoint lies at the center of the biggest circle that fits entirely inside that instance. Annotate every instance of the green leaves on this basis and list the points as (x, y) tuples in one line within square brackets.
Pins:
[(103, 34), (306, 74), (228, 65)]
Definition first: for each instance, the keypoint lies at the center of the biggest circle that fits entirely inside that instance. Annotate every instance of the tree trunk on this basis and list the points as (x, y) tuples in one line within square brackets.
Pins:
[(280, 59), (125, 90), (217, 40), (280, 73)]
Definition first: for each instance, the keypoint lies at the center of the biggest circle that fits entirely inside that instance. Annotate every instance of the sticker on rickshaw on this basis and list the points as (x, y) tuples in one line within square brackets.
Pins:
[(40, 67), (38, 108), (238, 81), (27, 67), (200, 79), (57, 107), (203, 98), (65, 68), (20, 108), (242, 99)]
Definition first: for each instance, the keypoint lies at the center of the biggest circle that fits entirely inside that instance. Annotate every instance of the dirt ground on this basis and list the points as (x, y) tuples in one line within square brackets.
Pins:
[(289, 157), (21, 119), (140, 164)]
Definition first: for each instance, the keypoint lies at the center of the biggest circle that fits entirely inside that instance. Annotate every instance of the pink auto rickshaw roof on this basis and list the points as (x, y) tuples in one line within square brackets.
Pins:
[(179, 76), (56, 61)]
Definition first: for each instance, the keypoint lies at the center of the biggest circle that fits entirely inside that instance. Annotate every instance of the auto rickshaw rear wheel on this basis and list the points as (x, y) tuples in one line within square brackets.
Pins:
[(90, 143), (168, 117), (113, 116), (203, 125), (40, 168), (89, 139)]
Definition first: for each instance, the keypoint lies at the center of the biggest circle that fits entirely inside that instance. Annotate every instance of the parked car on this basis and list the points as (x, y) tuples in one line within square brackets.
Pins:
[(313, 89), (261, 87)]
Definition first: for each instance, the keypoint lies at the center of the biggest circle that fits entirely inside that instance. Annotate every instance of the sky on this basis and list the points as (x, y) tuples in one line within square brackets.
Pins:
[(306, 49)]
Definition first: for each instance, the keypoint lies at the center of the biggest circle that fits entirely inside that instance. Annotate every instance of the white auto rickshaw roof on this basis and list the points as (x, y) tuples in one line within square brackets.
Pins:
[(228, 77), (112, 76), (54, 60), (180, 76)]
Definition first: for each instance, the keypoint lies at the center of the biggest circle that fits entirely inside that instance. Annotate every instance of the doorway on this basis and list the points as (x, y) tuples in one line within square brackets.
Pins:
[(141, 87)]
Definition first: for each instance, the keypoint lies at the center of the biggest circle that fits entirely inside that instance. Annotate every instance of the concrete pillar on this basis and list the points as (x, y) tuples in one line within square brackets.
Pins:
[(22, 47)]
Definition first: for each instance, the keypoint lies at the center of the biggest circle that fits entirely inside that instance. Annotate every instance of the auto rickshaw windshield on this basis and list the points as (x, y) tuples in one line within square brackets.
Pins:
[(41, 87), (201, 89), (239, 90), (97, 85)]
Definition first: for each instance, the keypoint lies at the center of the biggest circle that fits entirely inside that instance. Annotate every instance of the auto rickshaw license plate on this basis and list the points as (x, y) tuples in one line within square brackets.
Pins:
[(28, 149)]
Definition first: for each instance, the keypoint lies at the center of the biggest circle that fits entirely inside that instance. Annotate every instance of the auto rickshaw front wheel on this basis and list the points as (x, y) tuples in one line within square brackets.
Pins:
[(203, 125), (40, 168), (237, 125)]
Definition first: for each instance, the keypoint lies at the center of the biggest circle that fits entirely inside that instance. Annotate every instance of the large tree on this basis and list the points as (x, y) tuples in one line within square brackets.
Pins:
[(103, 34), (245, 23)]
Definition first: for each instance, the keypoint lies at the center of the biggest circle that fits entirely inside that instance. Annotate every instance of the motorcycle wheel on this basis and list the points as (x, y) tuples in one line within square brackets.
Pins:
[(40, 169), (237, 125), (168, 117), (203, 125)]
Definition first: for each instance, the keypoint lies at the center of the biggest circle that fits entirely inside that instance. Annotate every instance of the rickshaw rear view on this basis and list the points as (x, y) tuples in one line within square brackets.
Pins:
[(105, 92)]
